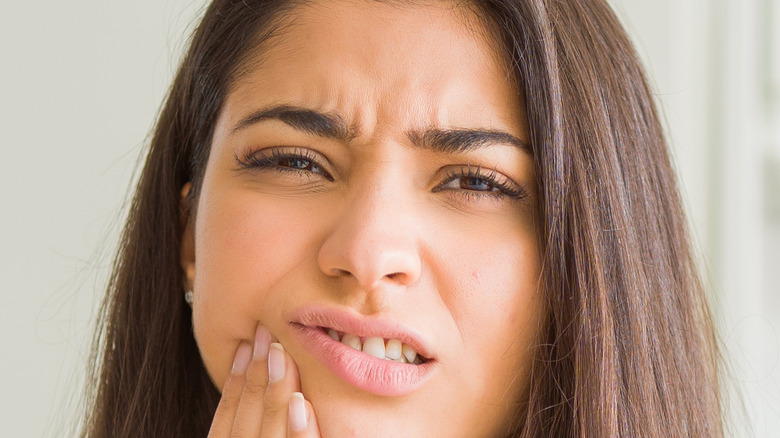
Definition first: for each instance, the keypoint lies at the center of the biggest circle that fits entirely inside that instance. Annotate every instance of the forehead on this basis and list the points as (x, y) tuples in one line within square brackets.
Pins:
[(382, 65)]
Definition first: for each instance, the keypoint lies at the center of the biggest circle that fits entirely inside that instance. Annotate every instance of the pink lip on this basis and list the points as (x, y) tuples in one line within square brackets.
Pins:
[(378, 376)]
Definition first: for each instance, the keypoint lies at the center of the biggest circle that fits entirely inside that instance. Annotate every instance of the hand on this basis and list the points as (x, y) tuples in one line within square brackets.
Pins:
[(261, 397)]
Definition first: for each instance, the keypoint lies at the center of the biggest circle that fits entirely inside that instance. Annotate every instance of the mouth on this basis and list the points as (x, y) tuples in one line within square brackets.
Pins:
[(375, 354), (388, 349)]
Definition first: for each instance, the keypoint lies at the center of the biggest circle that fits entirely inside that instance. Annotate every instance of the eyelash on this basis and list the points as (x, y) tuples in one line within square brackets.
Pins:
[(491, 178), (262, 160)]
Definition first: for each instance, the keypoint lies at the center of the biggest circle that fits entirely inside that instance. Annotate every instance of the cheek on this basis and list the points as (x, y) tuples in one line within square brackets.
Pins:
[(501, 305), (493, 272), (244, 247), (497, 308)]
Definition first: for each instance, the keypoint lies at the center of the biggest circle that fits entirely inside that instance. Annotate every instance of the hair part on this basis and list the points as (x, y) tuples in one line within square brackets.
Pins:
[(628, 346)]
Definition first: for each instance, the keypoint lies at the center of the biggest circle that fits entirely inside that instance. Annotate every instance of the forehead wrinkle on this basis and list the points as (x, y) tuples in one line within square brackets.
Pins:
[(271, 40), (293, 30)]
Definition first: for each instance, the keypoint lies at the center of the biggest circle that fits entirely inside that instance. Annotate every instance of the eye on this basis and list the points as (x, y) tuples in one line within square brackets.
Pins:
[(298, 161), (476, 182)]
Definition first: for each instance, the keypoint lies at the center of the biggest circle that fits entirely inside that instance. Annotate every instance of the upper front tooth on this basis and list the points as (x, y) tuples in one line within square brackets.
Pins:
[(352, 340), (409, 353), (393, 349), (374, 347)]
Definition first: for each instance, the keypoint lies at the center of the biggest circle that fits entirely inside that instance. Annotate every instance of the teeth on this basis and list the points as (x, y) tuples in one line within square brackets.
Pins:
[(352, 341), (374, 347), (393, 349), (409, 353)]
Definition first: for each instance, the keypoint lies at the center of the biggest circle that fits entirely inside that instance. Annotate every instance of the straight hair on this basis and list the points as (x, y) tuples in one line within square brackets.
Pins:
[(627, 348)]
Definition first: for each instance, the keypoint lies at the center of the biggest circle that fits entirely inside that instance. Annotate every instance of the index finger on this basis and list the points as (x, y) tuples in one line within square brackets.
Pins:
[(249, 415), (222, 424)]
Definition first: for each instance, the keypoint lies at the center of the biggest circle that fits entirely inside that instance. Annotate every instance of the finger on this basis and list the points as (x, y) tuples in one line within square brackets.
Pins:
[(302, 421), (249, 415), (231, 393), (283, 380)]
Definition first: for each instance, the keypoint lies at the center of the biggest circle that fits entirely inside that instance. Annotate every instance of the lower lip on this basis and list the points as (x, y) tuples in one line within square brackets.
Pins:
[(378, 376)]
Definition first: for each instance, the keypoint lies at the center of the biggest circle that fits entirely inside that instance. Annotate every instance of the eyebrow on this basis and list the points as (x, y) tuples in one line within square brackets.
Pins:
[(458, 141), (331, 125)]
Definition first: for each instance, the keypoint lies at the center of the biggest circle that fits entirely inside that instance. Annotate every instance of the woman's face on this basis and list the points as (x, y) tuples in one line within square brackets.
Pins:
[(369, 175)]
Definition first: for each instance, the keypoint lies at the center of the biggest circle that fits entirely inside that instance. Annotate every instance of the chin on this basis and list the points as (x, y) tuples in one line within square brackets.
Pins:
[(348, 425), (351, 414)]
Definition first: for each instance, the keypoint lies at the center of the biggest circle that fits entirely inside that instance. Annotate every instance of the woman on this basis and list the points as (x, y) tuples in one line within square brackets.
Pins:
[(407, 219)]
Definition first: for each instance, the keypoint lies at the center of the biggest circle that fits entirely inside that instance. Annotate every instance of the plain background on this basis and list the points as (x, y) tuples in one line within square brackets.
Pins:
[(81, 83)]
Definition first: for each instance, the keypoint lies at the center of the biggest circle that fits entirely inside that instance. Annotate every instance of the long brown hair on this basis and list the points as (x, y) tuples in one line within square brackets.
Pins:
[(628, 347)]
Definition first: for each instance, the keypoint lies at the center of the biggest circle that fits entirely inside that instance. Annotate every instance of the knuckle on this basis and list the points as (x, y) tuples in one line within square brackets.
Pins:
[(273, 406), (255, 387), (240, 431), (256, 377), (231, 393)]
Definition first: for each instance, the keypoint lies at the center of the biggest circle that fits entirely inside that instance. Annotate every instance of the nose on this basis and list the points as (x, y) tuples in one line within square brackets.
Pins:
[(374, 241)]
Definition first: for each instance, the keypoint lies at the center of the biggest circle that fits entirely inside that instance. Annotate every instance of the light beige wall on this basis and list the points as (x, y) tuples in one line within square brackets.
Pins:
[(715, 64), (80, 83)]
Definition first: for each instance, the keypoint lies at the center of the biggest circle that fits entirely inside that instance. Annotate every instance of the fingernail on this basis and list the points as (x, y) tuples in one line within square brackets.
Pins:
[(241, 361), (297, 413), (262, 342), (276, 365)]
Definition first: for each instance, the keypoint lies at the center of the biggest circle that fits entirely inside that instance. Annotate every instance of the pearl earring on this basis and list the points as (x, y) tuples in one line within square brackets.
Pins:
[(188, 297)]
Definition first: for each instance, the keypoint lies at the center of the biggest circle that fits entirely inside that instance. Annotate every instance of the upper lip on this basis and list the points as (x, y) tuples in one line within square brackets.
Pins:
[(363, 326)]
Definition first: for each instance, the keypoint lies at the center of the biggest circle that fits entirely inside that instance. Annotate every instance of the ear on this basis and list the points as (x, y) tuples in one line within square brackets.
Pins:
[(187, 250)]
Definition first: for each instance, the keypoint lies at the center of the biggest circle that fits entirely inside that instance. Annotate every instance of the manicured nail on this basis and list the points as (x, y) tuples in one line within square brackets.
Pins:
[(276, 365), (262, 342), (241, 362), (297, 414)]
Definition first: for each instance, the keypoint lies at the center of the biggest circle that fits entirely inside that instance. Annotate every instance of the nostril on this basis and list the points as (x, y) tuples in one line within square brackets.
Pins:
[(338, 272), (394, 275)]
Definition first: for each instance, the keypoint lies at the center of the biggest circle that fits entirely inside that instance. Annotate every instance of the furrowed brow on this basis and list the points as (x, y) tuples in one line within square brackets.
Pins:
[(458, 141), (302, 119)]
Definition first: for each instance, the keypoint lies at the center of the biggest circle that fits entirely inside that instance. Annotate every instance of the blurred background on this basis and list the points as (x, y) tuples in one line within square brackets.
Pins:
[(81, 83)]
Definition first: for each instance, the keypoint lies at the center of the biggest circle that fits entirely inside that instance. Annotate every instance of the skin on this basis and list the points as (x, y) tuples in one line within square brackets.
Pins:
[(390, 233)]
